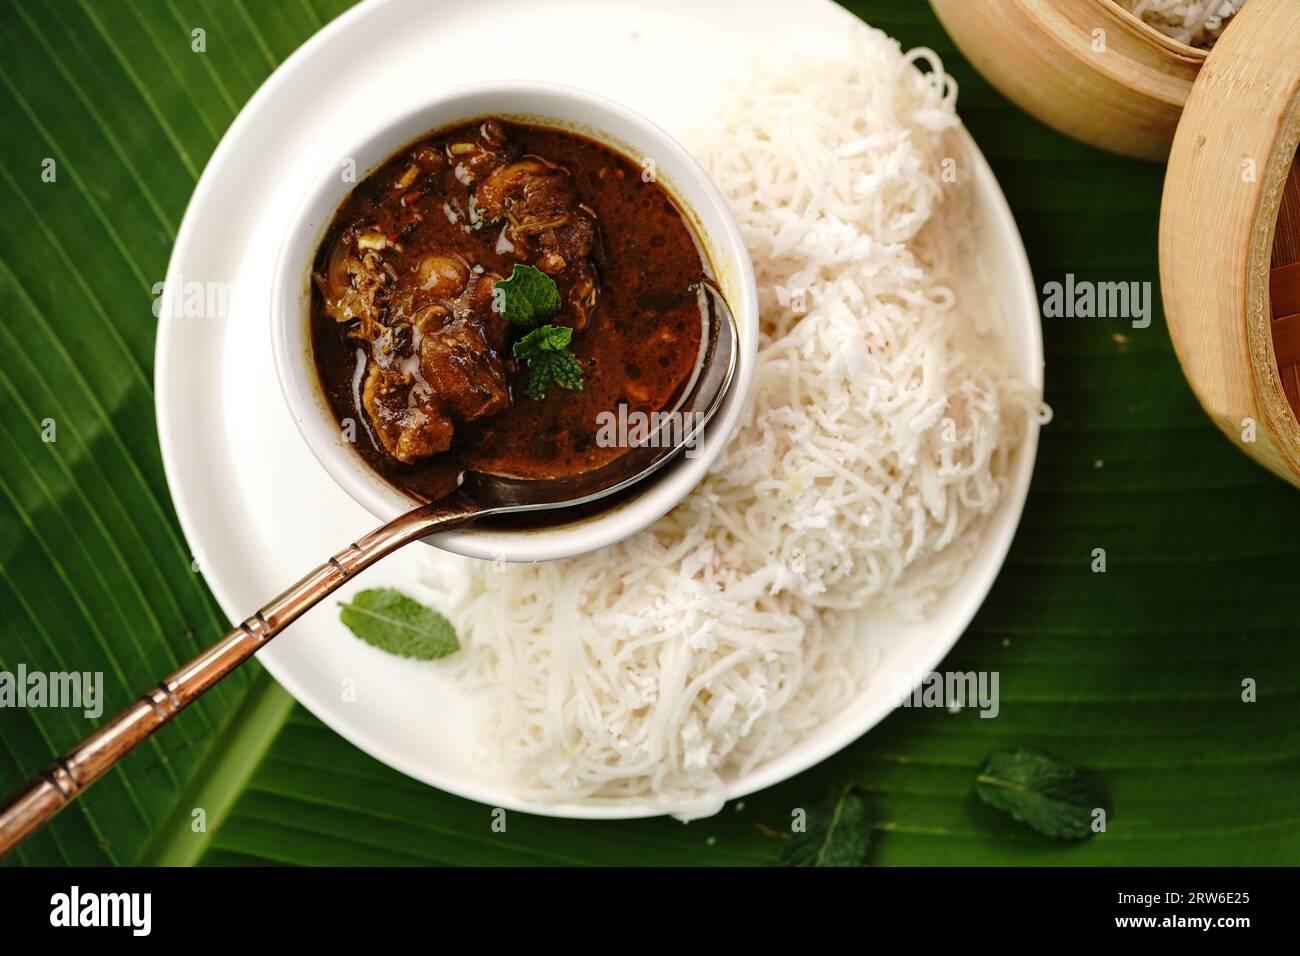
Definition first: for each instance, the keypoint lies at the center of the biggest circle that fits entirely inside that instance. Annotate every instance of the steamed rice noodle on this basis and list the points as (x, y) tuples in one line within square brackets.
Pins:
[(1194, 22), (877, 442)]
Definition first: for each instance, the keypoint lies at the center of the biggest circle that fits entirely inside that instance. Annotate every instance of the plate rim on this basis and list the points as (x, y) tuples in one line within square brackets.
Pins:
[(773, 771)]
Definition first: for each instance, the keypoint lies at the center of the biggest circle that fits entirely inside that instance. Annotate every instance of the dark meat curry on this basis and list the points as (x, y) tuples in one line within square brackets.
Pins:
[(417, 340)]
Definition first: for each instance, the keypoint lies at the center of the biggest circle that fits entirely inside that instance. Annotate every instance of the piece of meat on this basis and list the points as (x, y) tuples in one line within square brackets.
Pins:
[(441, 365), (476, 157), (530, 192), (547, 226), (355, 282), (581, 290), (410, 423), (466, 374), (442, 277), (475, 304)]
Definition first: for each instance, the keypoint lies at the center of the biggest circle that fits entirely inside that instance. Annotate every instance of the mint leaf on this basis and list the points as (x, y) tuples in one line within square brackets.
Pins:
[(546, 352), (539, 377), (563, 368), (546, 338), (838, 833), (529, 296), (567, 371), (1053, 798), (391, 621)]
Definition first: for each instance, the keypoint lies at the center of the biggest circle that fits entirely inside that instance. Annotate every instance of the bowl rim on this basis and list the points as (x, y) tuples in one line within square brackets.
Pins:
[(693, 190)]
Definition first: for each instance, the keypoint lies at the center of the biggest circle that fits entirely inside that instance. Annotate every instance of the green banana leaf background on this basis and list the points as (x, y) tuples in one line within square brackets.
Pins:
[(1136, 673)]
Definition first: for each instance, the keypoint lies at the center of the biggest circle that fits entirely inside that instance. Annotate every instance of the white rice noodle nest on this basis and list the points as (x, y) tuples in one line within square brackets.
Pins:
[(877, 442)]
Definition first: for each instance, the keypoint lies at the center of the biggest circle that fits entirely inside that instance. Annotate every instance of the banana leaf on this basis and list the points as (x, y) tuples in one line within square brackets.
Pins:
[(1135, 673)]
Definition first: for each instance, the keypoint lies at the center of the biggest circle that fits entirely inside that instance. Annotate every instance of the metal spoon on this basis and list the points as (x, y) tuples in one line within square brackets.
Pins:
[(479, 495)]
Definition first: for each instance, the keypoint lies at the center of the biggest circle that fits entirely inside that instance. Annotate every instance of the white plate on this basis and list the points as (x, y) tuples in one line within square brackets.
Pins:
[(257, 509)]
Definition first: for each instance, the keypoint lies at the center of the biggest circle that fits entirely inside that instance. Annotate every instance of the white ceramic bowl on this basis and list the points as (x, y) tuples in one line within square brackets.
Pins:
[(546, 104)]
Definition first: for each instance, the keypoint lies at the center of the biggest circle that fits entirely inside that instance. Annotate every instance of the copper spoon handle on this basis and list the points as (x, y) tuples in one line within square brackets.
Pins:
[(65, 779)]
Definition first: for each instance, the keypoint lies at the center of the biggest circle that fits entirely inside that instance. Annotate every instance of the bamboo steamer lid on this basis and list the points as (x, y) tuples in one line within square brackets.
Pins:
[(1230, 235), (1084, 67)]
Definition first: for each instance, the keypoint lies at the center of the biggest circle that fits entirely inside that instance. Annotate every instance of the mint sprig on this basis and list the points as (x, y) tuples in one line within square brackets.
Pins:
[(546, 352), (837, 832), (529, 296), (1052, 797), (389, 620)]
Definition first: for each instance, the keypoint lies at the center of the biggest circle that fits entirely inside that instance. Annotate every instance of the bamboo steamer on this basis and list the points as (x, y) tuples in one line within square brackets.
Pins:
[(1229, 124), (1230, 235), (1084, 67)]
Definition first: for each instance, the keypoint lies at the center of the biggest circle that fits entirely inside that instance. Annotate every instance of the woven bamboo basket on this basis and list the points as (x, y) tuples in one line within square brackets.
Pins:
[(1230, 235), (1228, 122), (1085, 67)]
